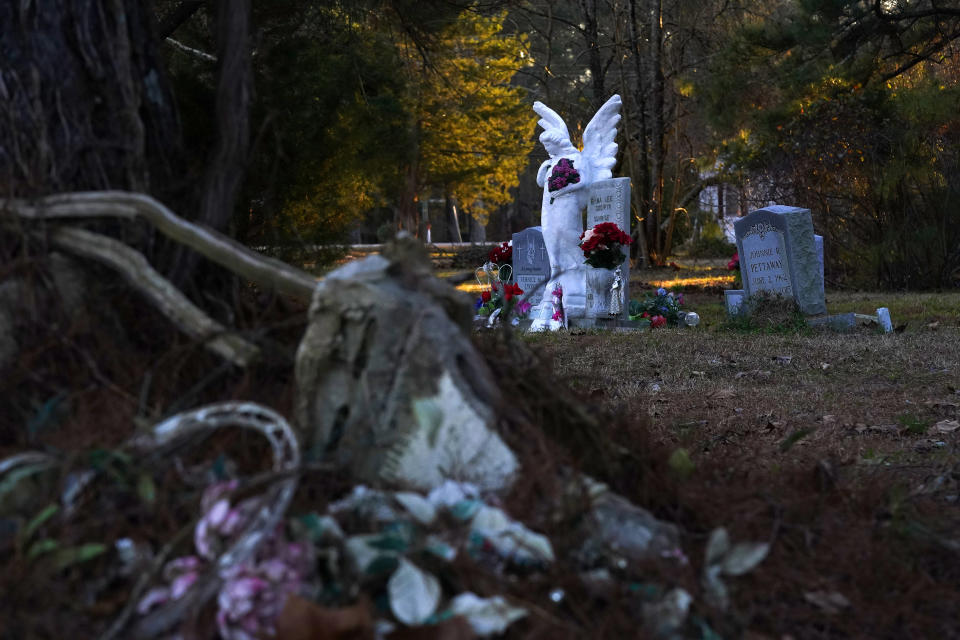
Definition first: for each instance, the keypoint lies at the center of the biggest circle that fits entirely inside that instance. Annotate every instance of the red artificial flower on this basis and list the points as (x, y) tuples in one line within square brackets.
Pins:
[(658, 321), (485, 296), (644, 315), (502, 254), (510, 290), (734, 262)]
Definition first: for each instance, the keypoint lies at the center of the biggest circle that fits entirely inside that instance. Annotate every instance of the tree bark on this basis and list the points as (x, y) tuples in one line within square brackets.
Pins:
[(227, 165), (234, 94), (84, 102), (591, 36), (654, 237), (453, 219)]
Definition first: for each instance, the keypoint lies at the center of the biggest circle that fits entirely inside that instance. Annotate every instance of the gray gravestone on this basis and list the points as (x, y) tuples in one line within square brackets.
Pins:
[(778, 255), (531, 265), (609, 201)]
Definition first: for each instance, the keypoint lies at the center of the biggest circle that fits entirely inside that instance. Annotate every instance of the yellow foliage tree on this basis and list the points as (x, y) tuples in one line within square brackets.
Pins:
[(474, 130)]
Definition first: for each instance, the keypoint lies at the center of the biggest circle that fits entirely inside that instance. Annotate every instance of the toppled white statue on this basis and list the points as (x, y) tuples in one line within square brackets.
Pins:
[(565, 178)]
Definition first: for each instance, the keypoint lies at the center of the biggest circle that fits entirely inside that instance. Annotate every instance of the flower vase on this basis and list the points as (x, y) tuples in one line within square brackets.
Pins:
[(599, 282)]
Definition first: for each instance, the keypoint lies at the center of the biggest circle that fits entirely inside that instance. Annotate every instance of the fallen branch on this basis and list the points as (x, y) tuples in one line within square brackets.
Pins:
[(135, 269), (266, 272)]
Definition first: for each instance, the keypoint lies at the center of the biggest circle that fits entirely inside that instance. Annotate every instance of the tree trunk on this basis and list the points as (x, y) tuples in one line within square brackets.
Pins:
[(227, 166), (478, 232), (642, 180), (591, 36), (84, 102), (453, 220), (408, 211), (654, 237), (234, 94)]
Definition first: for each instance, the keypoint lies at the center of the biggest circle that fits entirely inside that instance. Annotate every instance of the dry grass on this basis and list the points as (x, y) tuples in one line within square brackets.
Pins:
[(822, 444), (825, 444)]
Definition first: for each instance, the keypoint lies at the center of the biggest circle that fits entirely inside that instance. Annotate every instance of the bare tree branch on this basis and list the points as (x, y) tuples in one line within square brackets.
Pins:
[(267, 272), (162, 294)]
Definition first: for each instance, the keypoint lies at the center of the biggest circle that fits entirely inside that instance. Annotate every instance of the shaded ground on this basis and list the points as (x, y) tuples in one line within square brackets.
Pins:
[(836, 449), (841, 449)]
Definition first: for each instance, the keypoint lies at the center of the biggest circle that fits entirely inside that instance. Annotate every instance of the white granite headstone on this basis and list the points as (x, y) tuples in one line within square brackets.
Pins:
[(609, 201), (778, 255)]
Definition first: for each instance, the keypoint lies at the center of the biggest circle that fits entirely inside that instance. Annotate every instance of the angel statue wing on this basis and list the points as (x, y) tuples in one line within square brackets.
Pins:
[(599, 149), (555, 137)]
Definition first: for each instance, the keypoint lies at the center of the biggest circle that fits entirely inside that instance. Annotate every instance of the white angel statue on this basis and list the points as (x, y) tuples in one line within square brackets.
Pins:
[(565, 178)]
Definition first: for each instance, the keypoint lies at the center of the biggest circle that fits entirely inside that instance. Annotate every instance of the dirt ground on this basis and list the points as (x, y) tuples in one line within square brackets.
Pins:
[(840, 450)]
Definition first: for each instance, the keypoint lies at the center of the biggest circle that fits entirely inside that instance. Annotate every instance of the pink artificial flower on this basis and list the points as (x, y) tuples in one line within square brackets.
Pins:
[(658, 321), (182, 584), (218, 513), (180, 566), (216, 491), (153, 598)]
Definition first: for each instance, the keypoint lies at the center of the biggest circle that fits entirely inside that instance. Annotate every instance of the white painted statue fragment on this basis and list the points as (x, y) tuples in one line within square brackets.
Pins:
[(565, 179)]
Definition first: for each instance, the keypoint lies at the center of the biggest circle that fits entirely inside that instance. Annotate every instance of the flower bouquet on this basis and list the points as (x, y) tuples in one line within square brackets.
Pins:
[(601, 245), (562, 175), (734, 265), (661, 310), (502, 301), (501, 254)]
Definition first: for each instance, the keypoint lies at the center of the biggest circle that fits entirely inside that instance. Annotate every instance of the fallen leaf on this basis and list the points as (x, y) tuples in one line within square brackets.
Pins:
[(884, 428), (717, 546), (945, 407), (933, 325), (744, 557), (828, 419), (947, 426), (775, 424), (830, 601), (697, 374), (782, 359), (754, 372), (302, 619), (414, 593), (824, 365), (722, 394)]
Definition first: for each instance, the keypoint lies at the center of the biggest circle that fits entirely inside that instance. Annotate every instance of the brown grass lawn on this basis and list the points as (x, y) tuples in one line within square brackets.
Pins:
[(840, 449)]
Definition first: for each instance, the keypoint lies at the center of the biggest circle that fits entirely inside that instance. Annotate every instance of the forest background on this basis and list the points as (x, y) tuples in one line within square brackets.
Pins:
[(301, 123)]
